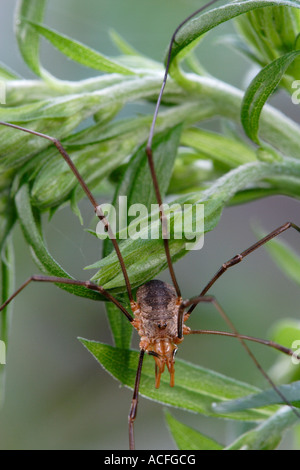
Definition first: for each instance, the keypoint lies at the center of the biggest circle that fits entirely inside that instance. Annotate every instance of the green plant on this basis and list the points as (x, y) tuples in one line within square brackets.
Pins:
[(35, 180)]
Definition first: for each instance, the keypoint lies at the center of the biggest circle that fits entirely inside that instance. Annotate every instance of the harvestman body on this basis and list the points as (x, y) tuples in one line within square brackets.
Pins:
[(159, 312)]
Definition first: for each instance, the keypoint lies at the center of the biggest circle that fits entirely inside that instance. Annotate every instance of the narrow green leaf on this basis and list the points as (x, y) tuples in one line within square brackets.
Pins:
[(7, 288), (267, 435), (54, 182), (194, 64), (7, 74), (7, 211), (28, 39), (137, 184), (30, 224), (120, 327), (121, 44), (253, 194), (217, 147), (192, 172), (209, 20), (259, 90), (195, 388), (187, 438), (266, 398), (78, 52)]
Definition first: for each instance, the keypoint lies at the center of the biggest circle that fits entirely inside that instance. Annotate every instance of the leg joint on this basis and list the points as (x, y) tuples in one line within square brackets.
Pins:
[(235, 260)]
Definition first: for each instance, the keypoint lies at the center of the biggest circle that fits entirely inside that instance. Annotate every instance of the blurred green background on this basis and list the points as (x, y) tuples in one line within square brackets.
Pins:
[(57, 396)]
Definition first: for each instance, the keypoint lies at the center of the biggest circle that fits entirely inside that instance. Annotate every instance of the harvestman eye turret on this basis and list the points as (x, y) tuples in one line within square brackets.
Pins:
[(159, 313)]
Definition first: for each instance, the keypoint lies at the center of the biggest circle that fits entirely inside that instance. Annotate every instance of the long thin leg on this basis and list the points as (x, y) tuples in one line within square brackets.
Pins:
[(134, 402), (238, 258), (163, 221), (149, 147), (97, 208), (74, 282), (210, 299), (265, 342)]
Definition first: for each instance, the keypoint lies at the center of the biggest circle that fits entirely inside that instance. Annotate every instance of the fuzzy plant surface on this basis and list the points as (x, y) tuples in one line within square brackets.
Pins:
[(261, 160)]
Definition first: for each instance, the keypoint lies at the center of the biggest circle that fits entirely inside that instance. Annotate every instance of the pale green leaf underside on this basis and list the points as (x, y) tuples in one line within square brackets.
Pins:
[(267, 435), (196, 388), (268, 397)]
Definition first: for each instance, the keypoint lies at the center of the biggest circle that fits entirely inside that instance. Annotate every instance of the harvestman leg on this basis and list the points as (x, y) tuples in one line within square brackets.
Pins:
[(94, 287), (209, 299), (99, 213), (233, 261), (97, 207), (238, 258), (61, 280), (134, 401), (149, 153), (88, 284), (265, 342), (202, 298)]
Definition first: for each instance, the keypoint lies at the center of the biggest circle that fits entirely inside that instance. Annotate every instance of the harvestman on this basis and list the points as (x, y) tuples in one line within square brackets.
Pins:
[(159, 312)]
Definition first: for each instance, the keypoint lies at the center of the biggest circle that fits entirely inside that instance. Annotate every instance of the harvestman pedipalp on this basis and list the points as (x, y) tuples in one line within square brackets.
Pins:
[(159, 312)]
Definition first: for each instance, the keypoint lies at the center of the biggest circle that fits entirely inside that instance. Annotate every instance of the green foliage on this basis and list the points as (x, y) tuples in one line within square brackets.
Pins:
[(197, 389), (137, 184), (78, 52), (267, 435), (35, 179), (201, 24), (272, 33), (259, 91), (187, 438)]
